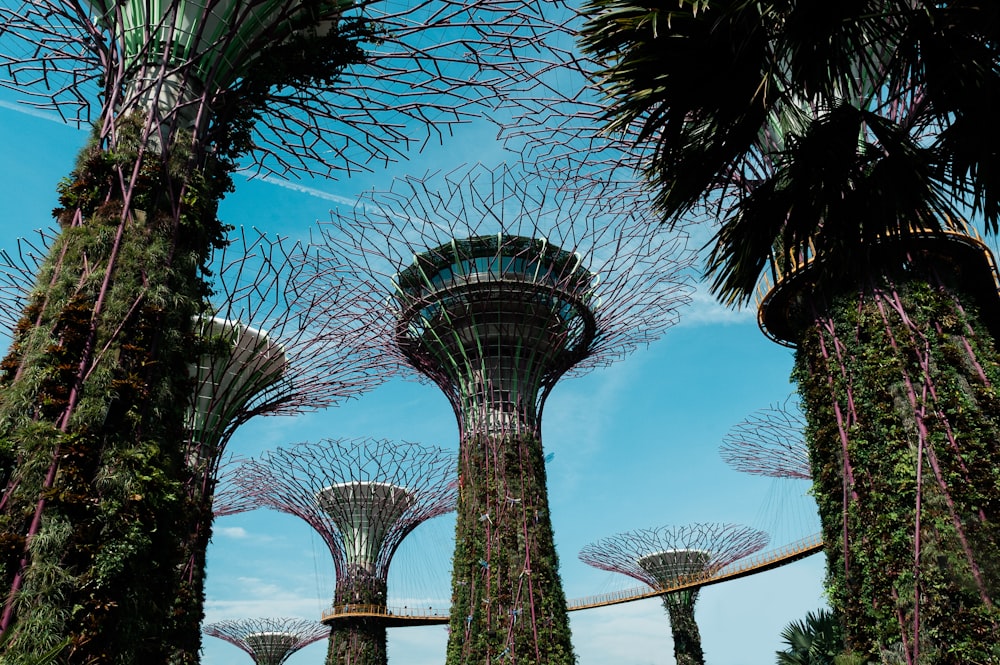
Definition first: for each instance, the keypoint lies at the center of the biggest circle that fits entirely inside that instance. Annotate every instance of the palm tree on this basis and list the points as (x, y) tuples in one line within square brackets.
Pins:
[(815, 640), (841, 142)]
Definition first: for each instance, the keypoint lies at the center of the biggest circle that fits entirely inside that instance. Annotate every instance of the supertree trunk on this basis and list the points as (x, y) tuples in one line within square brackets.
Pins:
[(94, 386), (684, 628), (508, 602), (363, 641), (898, 382)]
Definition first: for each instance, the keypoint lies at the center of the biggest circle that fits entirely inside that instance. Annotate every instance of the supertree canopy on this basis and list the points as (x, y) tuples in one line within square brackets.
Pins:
[(94, 408), (769, 442), (269, 641), (667, 557), (228, 499), (498, 284), (362, 497), (323, 85)]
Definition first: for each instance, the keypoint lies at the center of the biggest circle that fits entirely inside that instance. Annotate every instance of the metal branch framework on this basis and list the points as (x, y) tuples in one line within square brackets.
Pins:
[(770, 442), (362, 496), (494, 284), (556, 117), (17, 274), (395, 74), (615, 282), (227, 498), (269, 641), (642, 553), (273, 347), (664, 556), (391, 487)]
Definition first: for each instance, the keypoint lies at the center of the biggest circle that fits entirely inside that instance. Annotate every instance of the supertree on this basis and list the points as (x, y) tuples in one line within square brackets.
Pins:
[(267, 348), (897, 372), (362, 496), (668, 557), (769, 442), (493, 285), (302, 363), (269, 641), (93, 404)]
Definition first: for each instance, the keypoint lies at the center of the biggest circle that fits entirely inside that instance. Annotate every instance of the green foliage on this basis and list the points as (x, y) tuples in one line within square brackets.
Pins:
[(116, 508), (361, 641), (684, 628), (816, 640), (507, 598), (899, 378)]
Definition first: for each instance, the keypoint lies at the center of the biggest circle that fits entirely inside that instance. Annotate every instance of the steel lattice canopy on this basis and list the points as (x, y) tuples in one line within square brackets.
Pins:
[(246, 362), (669, 566), (510, 310), (272, 647), (364, 512)]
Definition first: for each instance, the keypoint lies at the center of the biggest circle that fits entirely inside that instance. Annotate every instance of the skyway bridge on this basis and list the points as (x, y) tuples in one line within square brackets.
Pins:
[(422, 616)]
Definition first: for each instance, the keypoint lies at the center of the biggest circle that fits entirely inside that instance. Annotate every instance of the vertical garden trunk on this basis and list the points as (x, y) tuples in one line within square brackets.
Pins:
[(97, 496), (507, 599), (684, 628), (899, 385), (360, 641)]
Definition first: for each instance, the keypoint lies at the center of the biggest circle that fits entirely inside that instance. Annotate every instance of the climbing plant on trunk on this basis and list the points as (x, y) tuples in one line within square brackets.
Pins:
[(899, 381)]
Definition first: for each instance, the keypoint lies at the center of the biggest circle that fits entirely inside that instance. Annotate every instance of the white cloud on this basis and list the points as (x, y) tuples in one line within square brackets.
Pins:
[(635, 633), (231, 532), (33, 112), (705, 309), (301, 189)]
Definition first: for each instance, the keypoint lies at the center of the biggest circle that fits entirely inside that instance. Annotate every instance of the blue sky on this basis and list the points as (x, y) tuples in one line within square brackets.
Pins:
[(635, 445)]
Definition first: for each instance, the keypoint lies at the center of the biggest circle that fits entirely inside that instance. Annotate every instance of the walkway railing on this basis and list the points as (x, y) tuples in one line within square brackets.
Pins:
[(402, 612), (959, 229), (747, 566)]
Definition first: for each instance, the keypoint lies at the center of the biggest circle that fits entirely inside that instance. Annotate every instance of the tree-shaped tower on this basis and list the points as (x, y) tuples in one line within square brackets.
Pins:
[(769, 442), (362, 497), (498, 285), (670, 557), (269, 641), (241, 371), (897, 371), (93, 404)]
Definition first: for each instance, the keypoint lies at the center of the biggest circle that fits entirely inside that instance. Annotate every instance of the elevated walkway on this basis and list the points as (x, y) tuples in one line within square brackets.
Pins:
[(390, 616)]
